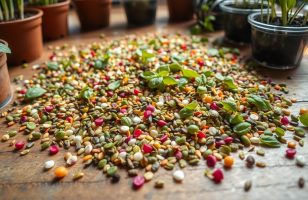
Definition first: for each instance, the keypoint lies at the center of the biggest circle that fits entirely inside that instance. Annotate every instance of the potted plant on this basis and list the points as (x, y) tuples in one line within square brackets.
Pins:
[(209, 16), (93, 14), (140, 12), (236, 26), (180, 10), (279, 39), (55, 17), (22, 30), (5, 94)]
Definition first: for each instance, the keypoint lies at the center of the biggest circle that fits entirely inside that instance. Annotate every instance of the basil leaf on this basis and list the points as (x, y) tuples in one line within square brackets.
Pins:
[(52, 65), (185, 112), (201, 80), (229, 83), (146, 56), (208, 73), (114, 85), (304, 119), (155, 82), (269, 141), (192, 106), (212, 52), (259, 102), (163, 70), (174, 67), (182, 82), (190, 73), (219, 76), (86, 93), (242, 128), (148, 75), (34, 92), (236, 119), (4, 48), (68, 87), (229, 105), (279, 131), (169, 81)]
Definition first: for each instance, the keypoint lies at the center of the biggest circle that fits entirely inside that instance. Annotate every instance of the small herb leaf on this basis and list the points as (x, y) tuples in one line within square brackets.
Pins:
[(304, 119), (34, 92), (190, 73), (114, 85), (269, 141)]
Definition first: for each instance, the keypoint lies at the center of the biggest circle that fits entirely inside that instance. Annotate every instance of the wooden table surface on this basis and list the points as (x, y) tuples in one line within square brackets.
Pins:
[(24, 178)]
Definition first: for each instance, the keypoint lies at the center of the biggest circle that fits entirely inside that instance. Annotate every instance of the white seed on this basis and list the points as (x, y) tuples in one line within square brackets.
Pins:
[(132, 142), (185, 102), (178, 176), (71, 160), (136, 120), (154, 133), (138, 156), (88, 149), (122, 154), (104, 105), (124, 129), (254, 140), (69, 132), (148, 176), (49, 164), (300, 161), (214, 113), (213, 130), (254, 117), (78, 139), (159, 104)]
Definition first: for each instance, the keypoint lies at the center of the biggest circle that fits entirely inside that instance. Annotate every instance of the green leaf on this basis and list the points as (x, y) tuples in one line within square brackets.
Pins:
[(304, 119), (192, 106), (34, 92), (208, 73), (163, 70), (279, 131), (236, 119), (86, 93), (174, 67), (148, 75), (229, 83), (155, 82), (219, 76), (99, 64), (126, 121), (229, 105), (146, 56), (52, 65), (212, 52), (185, 112), (259, 102), (190, 73), (201, 80), (114, 85), (242, 128), (169, 81), (182, 82), (4, 48), (269, 141)]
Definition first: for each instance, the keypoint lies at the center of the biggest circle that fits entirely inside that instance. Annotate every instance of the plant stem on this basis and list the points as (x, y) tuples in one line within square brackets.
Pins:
[(11, 8), (1, 14), (262, 1), (5, 10), (296, 12), (284, 12), (20, 4)]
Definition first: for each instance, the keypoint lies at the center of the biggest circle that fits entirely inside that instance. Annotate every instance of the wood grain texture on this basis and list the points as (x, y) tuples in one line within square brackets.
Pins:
[(24, 178)]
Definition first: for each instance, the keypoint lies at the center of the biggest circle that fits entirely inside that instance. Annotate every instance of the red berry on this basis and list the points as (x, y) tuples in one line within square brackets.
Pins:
[(128, 139), (161, 123), (49, 108), (147, 114), (218, 176), (123, 110), (150, 108), (19, 145), (214, 106), (99, 121), (122, 94), (228, 140), (164, 138), (138, 182), (23, 119), (290, 153), (109, 93), (53, 149), (201, 135), (284, 120), (137, 133), (178, 155), (136, 91), (219, 143), (147, 148), (69, 119), (211, 161)]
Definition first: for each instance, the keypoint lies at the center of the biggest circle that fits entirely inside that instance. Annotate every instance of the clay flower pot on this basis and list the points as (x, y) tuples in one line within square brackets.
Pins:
[(5, 94), (180, 10), (93, 14), (55, 20), (24, 37)]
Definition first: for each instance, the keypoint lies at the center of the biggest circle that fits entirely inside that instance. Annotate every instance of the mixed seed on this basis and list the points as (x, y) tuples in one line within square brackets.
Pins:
[(155, 101)]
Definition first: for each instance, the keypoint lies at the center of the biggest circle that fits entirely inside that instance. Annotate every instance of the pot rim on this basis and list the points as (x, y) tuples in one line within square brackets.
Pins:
[(225, 7), (59, 4), (38, 14), (107, 1), (274, 28)]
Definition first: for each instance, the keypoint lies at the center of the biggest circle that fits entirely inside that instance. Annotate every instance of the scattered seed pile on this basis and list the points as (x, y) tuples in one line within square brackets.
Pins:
[(150, 102)]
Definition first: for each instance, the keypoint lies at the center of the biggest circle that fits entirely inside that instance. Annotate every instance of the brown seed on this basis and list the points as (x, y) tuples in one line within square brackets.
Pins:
[(159, 184), (261, 164), (247, 185), (250, 161), (301, 182)]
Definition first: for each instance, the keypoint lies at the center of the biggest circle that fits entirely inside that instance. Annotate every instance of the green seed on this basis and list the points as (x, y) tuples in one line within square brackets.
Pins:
[(101, 164), (45, 145), (112, 170), (12, 133), (108, 145), (192, 129), (31, 125), (245, 140), (60, 135)]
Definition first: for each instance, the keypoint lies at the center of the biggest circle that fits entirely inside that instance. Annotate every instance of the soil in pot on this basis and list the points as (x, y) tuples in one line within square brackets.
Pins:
[(93, 14), (5, 94), (180, 10), (278, 47), (24, 37), (236, 26), (140, 12), (55, 20)]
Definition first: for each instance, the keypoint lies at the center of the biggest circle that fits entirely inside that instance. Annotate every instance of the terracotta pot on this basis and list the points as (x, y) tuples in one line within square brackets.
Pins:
[(55, 23), (24, 37), (5, 94), (180, 10), (93, 14)]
